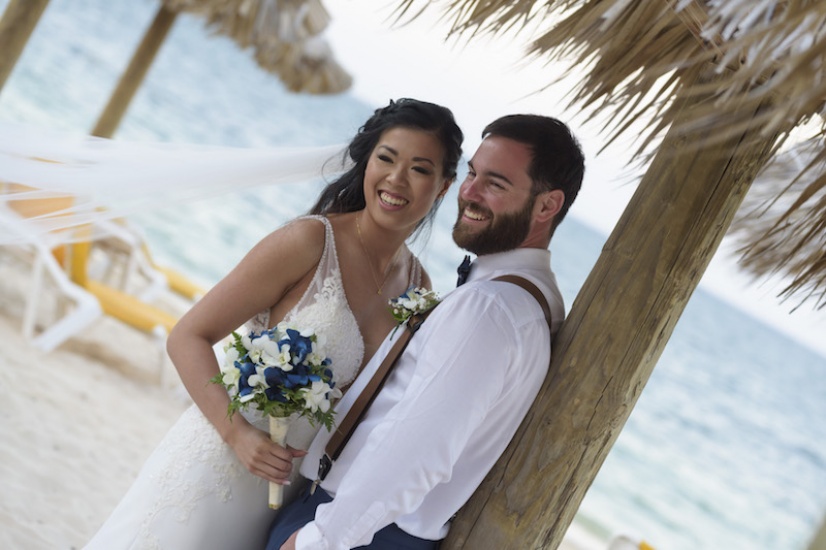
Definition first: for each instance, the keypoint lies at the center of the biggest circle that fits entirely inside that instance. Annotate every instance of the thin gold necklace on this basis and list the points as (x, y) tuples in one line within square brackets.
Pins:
[(379, 287)]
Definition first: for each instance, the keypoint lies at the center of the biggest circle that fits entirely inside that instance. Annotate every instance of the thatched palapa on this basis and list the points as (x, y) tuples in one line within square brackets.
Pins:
[(719, 86), (283, 34), (285, 37), (639, 57)]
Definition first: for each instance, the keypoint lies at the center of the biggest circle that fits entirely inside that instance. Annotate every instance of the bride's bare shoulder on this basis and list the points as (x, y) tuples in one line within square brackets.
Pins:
[(309, 230), (295, 246)]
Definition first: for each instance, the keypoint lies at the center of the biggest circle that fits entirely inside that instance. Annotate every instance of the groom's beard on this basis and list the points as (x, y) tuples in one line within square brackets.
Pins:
[(505, 232)]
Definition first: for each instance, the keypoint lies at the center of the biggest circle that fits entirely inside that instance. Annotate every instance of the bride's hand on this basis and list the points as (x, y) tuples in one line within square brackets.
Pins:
[(261, 456)]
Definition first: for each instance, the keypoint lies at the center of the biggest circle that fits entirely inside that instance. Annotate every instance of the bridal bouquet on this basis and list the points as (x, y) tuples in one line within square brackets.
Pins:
[(282, 372)]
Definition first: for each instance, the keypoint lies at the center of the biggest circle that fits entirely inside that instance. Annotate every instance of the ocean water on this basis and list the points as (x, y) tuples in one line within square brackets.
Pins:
[(726, 448)]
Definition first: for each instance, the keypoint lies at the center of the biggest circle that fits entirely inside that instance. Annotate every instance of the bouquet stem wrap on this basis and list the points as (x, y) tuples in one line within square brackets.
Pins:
[(278, 434)]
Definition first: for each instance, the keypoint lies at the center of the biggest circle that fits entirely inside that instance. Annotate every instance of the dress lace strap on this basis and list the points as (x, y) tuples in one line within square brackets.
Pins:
[(327, 266), (415, 278)]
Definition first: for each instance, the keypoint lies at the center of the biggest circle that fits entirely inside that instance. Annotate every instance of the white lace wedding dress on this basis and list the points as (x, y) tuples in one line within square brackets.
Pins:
[(193, 493)]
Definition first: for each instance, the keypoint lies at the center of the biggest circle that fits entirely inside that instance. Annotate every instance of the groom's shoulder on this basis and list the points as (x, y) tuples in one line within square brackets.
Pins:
[(492, 298), (488, 298)]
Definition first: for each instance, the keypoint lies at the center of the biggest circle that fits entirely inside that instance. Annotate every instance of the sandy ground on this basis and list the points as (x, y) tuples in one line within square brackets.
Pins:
[(77, 423)]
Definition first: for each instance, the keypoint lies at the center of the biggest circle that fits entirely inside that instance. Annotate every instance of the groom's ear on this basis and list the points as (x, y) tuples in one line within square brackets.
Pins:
[(548, 204)]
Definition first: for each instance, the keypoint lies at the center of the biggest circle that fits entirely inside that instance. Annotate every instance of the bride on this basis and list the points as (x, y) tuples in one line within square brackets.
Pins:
[(205, 486)]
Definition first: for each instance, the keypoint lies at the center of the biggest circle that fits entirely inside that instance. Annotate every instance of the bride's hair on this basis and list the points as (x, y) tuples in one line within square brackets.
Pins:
[(346, 194)]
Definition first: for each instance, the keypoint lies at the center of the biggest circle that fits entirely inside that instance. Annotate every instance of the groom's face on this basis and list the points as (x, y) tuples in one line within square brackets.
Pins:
[(495, 200)]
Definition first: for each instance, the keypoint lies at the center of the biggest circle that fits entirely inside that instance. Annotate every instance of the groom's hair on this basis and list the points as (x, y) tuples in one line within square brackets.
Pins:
[(346, 194), (557, 163)]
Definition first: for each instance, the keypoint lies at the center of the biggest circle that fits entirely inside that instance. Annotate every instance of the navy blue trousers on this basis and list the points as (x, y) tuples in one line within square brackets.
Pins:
[(296, 515)]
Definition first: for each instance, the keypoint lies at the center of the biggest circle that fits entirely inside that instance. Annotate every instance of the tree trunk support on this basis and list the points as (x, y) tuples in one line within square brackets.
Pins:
[(617, 328), (135, 73), (16, 26), (819, 540)]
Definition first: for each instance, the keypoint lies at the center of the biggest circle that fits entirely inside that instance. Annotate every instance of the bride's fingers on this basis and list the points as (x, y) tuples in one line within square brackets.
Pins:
[(271, 468), (265, 450), (267, 459), (270, 474), (296, 453), (278, 459)]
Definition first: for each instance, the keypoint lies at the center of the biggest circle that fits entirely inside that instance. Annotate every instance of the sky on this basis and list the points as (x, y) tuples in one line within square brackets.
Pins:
[(481, 78)]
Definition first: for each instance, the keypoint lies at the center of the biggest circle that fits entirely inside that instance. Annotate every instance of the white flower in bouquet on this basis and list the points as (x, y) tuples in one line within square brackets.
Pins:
[(317, 397)]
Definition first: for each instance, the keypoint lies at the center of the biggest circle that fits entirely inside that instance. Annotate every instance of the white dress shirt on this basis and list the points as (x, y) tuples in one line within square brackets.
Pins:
[(445, 414)]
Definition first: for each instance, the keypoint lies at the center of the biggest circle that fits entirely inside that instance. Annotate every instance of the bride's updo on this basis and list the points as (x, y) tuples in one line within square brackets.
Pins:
[(346, 194)]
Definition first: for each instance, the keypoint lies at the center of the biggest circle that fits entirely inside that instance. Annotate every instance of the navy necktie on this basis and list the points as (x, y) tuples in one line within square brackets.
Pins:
[(463, 271)]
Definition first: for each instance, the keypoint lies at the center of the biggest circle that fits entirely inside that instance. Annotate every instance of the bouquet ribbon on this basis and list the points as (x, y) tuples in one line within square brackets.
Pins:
[(279, 426)]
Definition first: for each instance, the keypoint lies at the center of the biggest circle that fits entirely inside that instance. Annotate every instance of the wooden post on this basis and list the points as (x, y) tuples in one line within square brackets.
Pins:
[(608, 346), (16, 26), (135, 73), (819, 540)]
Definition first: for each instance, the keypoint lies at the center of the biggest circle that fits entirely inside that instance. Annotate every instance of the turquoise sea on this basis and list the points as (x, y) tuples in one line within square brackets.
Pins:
[(726, 448)]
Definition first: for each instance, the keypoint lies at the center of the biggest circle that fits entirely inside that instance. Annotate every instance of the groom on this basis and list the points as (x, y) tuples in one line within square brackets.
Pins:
[(468, 376)]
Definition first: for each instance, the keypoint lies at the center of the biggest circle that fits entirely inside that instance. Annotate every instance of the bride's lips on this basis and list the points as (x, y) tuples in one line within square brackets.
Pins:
[(390, 200)]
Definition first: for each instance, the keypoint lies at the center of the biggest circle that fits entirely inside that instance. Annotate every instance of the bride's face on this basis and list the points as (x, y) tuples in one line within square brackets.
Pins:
[(404, 176)]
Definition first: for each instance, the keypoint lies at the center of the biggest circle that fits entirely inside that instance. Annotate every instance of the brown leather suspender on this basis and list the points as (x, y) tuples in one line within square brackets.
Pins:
[(348, 425)]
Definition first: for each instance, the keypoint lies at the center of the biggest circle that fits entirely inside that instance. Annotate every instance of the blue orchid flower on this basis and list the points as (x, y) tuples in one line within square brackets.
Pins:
[(247, 369), (300, 346), (274, 376), (299, 376)]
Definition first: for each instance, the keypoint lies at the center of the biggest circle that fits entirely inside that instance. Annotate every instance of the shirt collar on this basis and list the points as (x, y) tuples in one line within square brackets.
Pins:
[(491, 265)]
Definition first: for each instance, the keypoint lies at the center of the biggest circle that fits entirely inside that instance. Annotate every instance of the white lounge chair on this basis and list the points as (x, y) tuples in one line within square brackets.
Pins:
[(88, 297), (84, 309)]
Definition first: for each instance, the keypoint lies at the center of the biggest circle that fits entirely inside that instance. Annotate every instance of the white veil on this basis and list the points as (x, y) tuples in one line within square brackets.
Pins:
[(107, 179)]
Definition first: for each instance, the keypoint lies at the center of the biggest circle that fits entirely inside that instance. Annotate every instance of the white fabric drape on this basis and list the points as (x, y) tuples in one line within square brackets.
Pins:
[(112, 178)]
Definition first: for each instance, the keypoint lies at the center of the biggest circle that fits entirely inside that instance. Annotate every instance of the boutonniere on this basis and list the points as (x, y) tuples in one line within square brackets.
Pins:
[(413, 302)]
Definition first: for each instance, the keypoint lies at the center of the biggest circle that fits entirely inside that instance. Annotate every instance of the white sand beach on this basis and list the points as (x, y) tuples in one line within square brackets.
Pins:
[(78, 423)]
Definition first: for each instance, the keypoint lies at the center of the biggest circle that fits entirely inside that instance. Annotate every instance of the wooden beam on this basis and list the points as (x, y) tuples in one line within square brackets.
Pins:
[(617, 328), (819, 540), (16, 26), (136, 71)]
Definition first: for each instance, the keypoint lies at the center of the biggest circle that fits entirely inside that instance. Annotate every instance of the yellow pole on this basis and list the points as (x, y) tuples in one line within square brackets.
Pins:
[(78, 252), (131, 79), (16, 26)]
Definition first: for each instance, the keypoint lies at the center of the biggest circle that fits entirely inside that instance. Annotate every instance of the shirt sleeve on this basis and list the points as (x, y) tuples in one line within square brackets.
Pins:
[(461, 367)]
